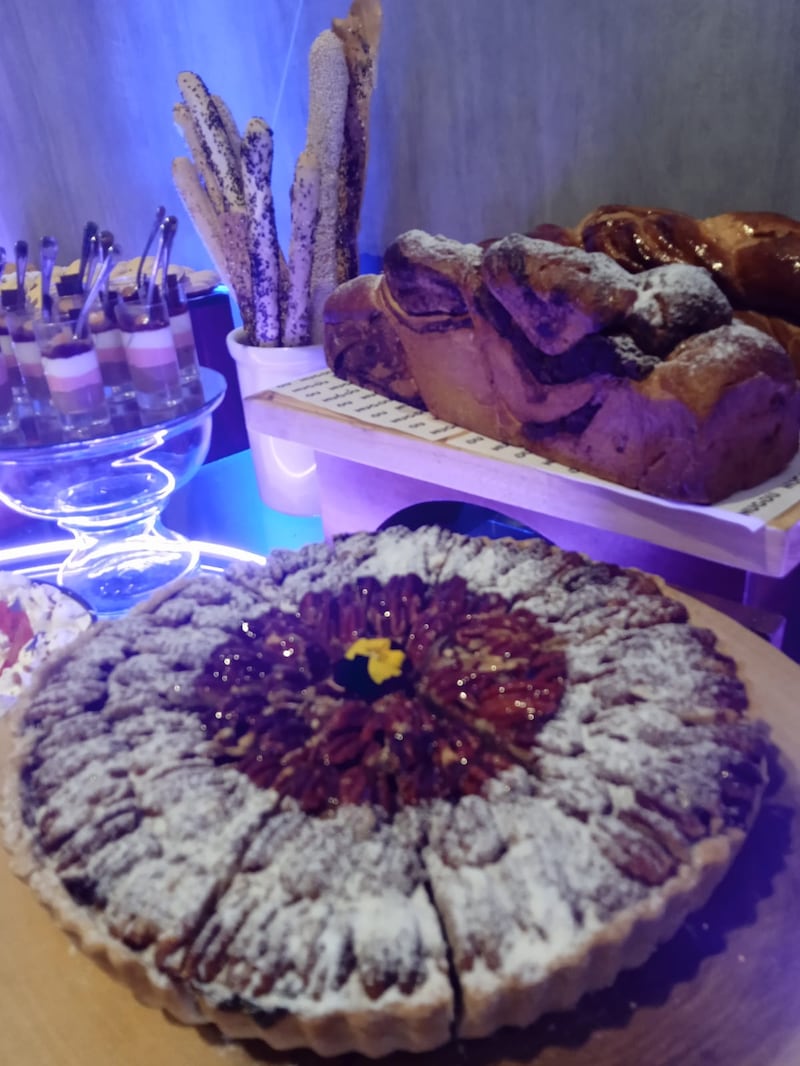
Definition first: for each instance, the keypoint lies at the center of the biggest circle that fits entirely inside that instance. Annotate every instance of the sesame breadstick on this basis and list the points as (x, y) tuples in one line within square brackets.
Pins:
[(201, 211), (360, 35), (182, 117), (257, 153), (305, 216), (235, 240), (327, 99)]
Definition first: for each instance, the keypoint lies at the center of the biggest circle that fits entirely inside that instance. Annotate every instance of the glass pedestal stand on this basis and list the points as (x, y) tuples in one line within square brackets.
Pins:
[(109, 493)]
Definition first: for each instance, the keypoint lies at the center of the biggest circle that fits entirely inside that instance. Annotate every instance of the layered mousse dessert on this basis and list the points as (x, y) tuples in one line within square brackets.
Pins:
[(111, 356), (28, 357), (73, 375), (8, 419), (9, 302), (151, 355)]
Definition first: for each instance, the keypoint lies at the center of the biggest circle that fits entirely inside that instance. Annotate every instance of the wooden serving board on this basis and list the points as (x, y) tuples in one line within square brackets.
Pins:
[(387, 451), (724, 990)]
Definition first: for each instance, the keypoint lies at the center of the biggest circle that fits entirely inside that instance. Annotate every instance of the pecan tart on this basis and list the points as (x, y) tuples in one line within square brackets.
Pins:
[(387, 791)]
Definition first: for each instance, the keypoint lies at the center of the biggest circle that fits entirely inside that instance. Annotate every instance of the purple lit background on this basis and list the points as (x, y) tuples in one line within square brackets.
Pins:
[(487, 117)]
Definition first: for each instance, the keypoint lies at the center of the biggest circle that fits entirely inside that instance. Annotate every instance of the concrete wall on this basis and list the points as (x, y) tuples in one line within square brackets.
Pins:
[(490, 115)]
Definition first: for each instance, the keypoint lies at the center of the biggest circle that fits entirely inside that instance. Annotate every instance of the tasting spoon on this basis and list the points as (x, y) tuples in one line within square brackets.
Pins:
[(48, 251), (160, 215), (106, 242), (89, 231), (170, 229), (93, 261), (21, 252), (162, 257), (89, 302), (151, 283)]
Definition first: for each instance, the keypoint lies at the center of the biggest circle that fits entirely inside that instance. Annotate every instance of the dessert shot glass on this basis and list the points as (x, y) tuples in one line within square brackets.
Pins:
[(9, 419), (182, 333), (10, 301), (27, 354), (152, 358), (72, 370), (110, 349)]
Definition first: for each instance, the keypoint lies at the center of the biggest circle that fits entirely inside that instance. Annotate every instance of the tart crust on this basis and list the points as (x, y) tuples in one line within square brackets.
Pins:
[(460, 989)]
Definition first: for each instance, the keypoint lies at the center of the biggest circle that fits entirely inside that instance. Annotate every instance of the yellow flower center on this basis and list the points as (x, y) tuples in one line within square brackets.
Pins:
[(383, 661)]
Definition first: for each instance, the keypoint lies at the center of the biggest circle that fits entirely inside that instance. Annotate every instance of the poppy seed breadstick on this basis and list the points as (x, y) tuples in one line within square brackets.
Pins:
[(183, 119), (257, 153), (198, 206), (229, 122), (212, 130), (327, 100), (284, 295), (305, 215)]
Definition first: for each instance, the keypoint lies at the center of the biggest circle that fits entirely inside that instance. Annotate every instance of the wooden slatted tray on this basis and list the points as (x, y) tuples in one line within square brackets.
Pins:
[(757, 531)]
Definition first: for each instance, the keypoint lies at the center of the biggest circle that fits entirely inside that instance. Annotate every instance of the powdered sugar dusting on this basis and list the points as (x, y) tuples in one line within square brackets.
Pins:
[(419, 245), (719, 346), (602, 269), (259, 909), (682, 281)]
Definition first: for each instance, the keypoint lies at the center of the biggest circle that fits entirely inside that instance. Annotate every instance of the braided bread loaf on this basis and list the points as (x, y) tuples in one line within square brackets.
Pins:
[(754, 257), (639, 378)]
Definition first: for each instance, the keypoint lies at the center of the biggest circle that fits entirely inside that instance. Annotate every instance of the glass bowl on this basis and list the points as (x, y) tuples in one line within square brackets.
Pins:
[(109, 493)]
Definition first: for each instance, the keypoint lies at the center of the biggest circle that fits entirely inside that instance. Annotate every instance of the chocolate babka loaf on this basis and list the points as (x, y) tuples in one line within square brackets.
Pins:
[(643, 378)]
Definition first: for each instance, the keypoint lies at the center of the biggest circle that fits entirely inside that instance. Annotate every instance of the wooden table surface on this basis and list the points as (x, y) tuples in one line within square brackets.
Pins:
[(724, 990)]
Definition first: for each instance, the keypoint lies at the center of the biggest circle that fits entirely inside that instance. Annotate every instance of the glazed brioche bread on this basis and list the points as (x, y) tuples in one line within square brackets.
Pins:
[(754, 257), (640, 378)]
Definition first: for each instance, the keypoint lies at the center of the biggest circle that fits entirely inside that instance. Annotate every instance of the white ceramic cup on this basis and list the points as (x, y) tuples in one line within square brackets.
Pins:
[(286, 472)]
